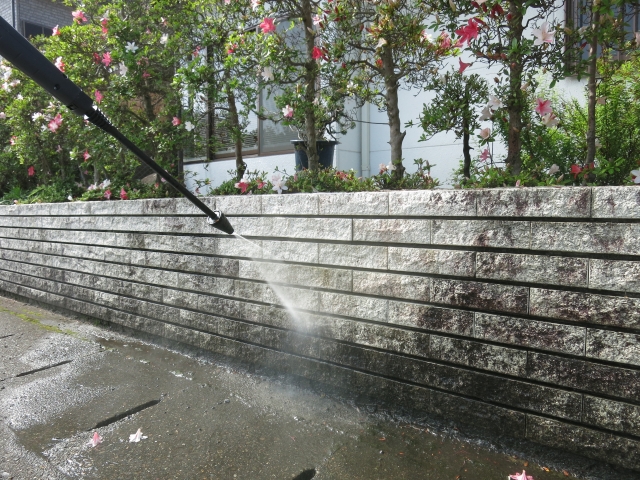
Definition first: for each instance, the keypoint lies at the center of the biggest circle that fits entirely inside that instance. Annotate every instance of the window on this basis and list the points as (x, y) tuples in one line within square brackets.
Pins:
[(213, 141), (32, 30), (578, 15)]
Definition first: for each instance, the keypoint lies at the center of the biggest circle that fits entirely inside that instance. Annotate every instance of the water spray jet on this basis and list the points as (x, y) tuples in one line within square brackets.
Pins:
[(18, 51)]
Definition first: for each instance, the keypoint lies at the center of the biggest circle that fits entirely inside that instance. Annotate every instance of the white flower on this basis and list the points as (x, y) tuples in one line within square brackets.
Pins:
[(93, 186), (426, 36), (136, 437), (255, 4), (19, 96), (554, 169), (70, 198), (278, 183), (131, 47), (287, 112), (267, 73), (391, 167), (494, 103), (105, 183), (122, 69), (36, 116), (543, 35), (382, 42), (485, 133), (3, 115), (164, 38), (636, 176), (317, 19), (550, 120), (485, 114), (188, 126)]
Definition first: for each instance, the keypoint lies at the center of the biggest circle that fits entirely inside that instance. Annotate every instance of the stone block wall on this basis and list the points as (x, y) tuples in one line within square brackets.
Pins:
[(515, 310)]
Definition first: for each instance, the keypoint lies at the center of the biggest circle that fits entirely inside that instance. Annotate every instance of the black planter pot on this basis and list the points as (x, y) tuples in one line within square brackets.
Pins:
[(325, 151)]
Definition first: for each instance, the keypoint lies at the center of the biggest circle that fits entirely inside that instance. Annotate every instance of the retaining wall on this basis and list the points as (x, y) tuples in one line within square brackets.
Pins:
[(516, 310)]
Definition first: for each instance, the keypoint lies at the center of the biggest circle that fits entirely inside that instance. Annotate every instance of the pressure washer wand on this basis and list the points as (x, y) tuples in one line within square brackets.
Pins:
[(25, 57)]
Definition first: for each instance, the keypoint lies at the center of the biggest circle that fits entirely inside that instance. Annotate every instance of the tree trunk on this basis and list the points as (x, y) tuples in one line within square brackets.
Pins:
[(591, 86), (236, 131), (515, 101), (396, 135), (311, 79), (466, 148)]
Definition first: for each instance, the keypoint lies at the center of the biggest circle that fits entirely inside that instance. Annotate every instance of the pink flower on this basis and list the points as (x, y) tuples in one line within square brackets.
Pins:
[(86, 155), (485, 155), (95, 440), (98, 95), (104, 23), (317, 20), (521, 476), (56, 31), (31, 171), (146, 75), (317, 54), (55, 123), (287, 112), (262, 184), (543, 106), (60, 64), (12, 140), (175, 122), (123, 195), (267, 25), (463, 65), (468, 32), (78, 16), (106, 59), (107, 194)]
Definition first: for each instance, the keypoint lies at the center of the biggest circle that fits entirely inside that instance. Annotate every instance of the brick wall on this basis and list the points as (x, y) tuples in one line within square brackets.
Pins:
[(515, 310)]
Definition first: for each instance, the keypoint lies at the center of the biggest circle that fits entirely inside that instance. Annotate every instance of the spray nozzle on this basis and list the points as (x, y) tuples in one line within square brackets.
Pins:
[(220, 222)]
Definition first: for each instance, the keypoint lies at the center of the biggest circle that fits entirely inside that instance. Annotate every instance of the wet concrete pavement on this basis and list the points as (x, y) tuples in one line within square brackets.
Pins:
[(63, 379)]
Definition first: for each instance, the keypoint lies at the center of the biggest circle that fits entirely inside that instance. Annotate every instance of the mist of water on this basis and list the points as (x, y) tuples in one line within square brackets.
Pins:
[(279, 290)]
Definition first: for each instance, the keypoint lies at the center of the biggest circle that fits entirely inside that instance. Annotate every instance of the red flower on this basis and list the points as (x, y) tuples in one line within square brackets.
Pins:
[(463, 65), (317, 54), (575, 170), (31, 171), (107, 194), (123, 195)]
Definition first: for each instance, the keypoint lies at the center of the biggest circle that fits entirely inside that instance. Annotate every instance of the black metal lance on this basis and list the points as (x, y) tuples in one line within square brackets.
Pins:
[(25, 57)]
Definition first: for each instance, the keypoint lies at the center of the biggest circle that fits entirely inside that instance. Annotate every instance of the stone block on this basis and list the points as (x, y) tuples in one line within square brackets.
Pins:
[(585, 307), (504, 391), (614, 238), (583, 375), (485, 296), (302, 228), (613, 346), (481, 233), (301, 275), (542, 269), (358, 203), (295, 204), (567, 202), (431, 318), (530, 333), (433, 261), (612, 415), (392, 230), (590, 443), (394, 285), (362, 256), (616, 202), (284, 295), (481, 415), (433, 203), (304, 252), (239, 205), (353, 306), (479, 355), (622, 276)]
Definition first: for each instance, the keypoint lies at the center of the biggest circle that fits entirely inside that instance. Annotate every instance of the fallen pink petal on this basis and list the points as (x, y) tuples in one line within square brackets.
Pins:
[(95, 440), (136, 437)]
